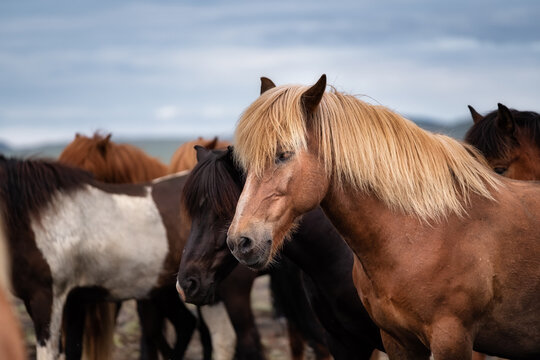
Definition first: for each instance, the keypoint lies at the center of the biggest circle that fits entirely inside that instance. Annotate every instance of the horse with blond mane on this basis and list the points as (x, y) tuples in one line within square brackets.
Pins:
[(447, 252)]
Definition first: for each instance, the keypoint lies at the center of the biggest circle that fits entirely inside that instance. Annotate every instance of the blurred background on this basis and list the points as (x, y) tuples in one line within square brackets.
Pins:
[(155, 73)]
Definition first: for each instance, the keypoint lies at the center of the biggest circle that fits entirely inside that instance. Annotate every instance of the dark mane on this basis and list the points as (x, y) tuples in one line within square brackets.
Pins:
[(216, 179), (492, 142), (26, 186)]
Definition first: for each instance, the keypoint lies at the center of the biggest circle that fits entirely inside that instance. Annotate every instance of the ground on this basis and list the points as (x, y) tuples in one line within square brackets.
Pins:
[(273, 331)]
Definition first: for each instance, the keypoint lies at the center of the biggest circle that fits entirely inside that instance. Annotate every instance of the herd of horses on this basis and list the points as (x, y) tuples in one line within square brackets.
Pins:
[(377, 235)]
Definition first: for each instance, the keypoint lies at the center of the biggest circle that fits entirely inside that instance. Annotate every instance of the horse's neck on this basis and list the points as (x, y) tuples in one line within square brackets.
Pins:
[(318, 248), (376, 234)]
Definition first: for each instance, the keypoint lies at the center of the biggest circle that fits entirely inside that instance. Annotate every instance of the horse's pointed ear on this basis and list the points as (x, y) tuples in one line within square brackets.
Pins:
[(505, 119), (266, 84), (312, 97), (202, 152), (212, 144), (77, 135), (103, 144), (476, 117)]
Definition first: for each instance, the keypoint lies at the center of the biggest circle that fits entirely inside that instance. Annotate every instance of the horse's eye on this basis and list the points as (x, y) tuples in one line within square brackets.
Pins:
[(284, 156), (500, 170)]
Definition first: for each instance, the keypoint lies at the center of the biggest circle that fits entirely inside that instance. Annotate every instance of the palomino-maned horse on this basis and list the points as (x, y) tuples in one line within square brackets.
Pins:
[(210, 196), (447, 251), (11, 342), (184, 157), (66, 230), (121, 164), (510, 141)]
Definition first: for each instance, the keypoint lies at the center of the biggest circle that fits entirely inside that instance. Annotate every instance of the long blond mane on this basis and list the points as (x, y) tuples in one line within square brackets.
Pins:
[(368, 148)]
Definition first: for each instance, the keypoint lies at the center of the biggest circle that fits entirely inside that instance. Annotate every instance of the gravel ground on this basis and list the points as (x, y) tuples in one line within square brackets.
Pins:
[(126, 339)]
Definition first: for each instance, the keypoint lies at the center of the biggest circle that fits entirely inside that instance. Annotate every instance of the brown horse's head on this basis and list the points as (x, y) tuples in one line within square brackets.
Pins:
[(281, 186), (184, 157), (510, 141), (111, 162)]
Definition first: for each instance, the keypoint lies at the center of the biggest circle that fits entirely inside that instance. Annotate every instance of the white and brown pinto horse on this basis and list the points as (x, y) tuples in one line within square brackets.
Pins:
[(66, 230), (448, 253)]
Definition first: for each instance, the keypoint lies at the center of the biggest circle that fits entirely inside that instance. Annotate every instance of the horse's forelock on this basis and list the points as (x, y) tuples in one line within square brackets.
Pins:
[(218, 182)]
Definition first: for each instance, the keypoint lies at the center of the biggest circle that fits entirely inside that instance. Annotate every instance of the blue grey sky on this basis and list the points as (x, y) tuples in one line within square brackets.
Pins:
[(168, 68)]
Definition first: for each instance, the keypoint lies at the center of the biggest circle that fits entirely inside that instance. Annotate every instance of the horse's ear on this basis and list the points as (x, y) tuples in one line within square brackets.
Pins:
[(202, 152), (77, 135), (266, 84), (476, 117), (103, 144), (505, 119), (312, 97), (212, 144)]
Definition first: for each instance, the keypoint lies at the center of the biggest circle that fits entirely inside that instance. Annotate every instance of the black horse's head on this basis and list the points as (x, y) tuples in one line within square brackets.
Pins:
[(209, 200)]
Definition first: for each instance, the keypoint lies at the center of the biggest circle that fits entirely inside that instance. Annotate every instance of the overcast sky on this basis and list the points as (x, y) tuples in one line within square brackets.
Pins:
[(174, 69)]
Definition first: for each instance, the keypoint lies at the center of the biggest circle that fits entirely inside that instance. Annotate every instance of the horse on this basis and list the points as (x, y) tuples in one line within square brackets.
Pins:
[(111, 162), (118, 163), (446, 250), (184, 157), (67, 230), (209, 197), (11, 342), (510, 141), (125, 163)]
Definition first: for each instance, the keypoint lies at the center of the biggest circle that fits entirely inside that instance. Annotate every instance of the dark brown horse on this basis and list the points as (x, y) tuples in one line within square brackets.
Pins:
[(210, 195), (447, 251), (510, 141)]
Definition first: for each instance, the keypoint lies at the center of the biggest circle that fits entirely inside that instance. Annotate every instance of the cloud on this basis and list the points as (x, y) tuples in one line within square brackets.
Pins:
[(173, 68)]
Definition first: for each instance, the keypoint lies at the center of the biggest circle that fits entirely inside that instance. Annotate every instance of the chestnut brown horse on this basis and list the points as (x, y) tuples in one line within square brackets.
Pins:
[(184, 157), (447, 251), (510, 141), (210, 195), (11, 343)]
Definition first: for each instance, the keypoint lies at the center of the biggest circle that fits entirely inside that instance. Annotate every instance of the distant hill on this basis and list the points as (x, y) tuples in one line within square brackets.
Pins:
[(165, 147), (456, 131)]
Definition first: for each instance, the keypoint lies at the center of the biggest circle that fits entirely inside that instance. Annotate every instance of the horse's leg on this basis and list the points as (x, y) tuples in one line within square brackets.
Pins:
[(183, 320), (152, 339), (221, 331), (296, 341), (204, 334), (46, 312), (74, 316), (451, 340), (235, 291), (396, 351)]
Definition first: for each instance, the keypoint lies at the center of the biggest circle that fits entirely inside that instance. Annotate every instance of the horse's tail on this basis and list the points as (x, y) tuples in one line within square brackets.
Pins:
[(99, 330), (291, 301)]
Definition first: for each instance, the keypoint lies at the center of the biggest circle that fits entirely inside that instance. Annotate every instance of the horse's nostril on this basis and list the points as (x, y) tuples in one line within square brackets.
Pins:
[(245, 243), (190, 286)]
